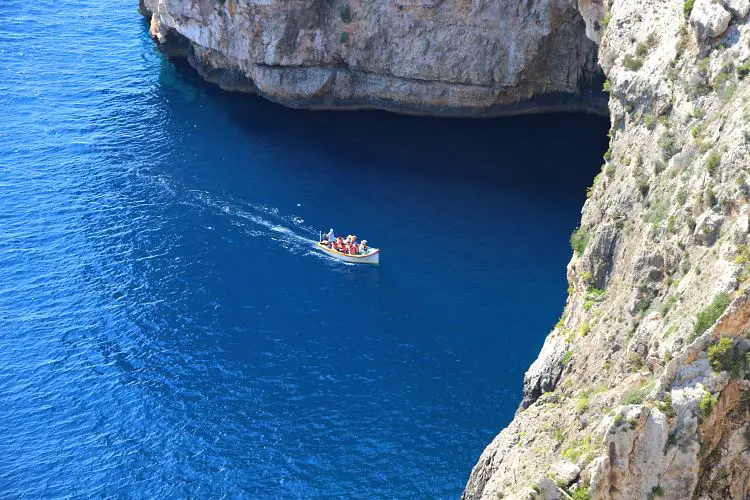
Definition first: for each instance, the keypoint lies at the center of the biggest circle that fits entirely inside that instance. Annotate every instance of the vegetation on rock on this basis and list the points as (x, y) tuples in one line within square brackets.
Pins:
[(707, 404), (579, 240), (708, 316), (346, 13), (687, 7), (724, 356)]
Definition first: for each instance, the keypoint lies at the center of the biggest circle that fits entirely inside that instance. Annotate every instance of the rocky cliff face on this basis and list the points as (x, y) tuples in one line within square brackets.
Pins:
[(438, 57), (642, 389)]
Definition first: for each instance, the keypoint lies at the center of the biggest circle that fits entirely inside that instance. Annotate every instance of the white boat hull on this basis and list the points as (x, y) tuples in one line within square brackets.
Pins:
[(372, 257)]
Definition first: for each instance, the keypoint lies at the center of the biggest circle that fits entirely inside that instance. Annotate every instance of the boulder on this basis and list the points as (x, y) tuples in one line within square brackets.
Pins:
[(739, 8), (707, 228), (742, 227), (543, 374), (709, 19), (565, 471), (549, 489)]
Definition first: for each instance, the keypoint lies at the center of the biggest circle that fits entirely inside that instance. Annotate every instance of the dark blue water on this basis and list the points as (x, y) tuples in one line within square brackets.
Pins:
[(165, 328)]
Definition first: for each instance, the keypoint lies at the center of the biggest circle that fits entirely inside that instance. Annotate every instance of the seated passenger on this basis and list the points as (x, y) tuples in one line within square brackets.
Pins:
[(363, 247)]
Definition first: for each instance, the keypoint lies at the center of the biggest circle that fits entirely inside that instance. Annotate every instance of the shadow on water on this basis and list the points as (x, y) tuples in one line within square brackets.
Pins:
[(543, 155)]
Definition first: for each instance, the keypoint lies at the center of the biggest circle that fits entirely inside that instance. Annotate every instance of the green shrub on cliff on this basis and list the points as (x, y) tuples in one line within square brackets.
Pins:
[(724, 357), (709, 315), (644, 47), (346, 13), (712, 162), (580, 449), (581, 494), (710, 197), (578, 240), (632, 63), (639, 395), (668, 145), (568, 357), (721, 354), (708, 403), (665, 406)]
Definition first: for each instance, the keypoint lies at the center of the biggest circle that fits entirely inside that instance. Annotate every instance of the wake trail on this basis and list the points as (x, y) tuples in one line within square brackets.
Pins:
[(258, 220)]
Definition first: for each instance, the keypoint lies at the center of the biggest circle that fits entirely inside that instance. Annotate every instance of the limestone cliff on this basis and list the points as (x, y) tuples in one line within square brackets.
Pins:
[(438, 57), (642, 389)]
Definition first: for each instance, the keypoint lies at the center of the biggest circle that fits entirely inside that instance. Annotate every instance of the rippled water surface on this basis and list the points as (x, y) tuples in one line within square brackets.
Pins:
[(165, 328)]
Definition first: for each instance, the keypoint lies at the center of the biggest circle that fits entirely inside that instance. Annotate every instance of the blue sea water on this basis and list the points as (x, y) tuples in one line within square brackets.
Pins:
[(166, 329)]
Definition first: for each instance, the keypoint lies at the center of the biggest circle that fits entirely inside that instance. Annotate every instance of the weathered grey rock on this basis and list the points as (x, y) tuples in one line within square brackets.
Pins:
[(565, 471), (479, 58), (549, 489), (742, 227), (707, 228), (633, 403), (739, 8), (709, 19), (544, 372)]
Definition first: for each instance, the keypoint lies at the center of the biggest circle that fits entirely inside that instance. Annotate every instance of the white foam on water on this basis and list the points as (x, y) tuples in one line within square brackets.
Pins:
[(259, 220)]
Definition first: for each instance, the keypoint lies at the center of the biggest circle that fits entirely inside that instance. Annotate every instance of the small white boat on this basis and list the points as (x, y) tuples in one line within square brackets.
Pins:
[(371, 257)]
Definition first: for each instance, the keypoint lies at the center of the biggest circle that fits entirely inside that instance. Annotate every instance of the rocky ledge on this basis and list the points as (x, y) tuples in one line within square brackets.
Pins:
[(436, 57)]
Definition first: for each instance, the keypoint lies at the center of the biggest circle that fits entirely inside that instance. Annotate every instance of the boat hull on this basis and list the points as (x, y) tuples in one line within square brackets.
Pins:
[(373, 257)]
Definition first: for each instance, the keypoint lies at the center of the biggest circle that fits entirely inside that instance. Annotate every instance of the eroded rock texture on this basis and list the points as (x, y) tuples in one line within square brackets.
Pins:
[(438, 57), (642, 390)]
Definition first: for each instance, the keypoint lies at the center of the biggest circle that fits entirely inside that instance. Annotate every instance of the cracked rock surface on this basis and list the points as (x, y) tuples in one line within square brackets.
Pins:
[(434, 57), (644, 383)]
